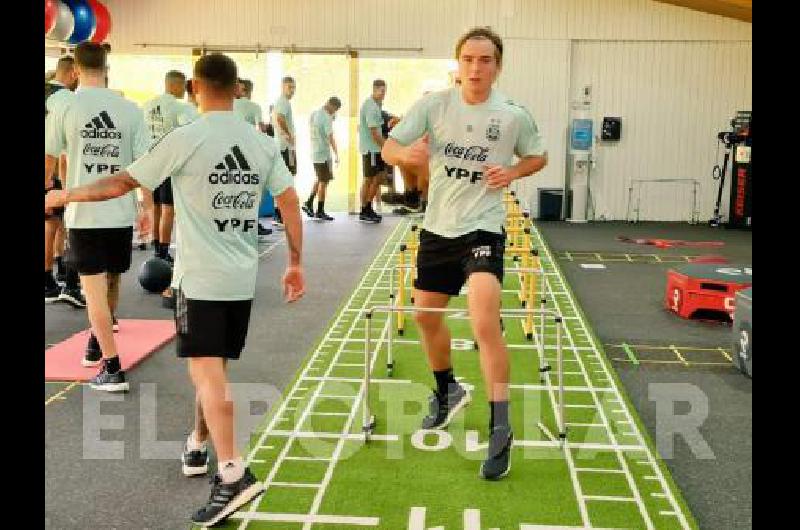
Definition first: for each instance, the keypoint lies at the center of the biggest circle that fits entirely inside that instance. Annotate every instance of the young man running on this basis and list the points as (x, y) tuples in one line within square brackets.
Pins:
[(469, 136)]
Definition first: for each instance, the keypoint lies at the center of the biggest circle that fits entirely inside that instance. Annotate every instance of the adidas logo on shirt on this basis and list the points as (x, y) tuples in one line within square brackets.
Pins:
[(101, 126), (234, 169)]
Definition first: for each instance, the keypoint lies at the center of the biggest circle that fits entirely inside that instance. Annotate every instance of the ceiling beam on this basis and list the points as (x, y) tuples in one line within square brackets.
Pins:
[(738, 9)]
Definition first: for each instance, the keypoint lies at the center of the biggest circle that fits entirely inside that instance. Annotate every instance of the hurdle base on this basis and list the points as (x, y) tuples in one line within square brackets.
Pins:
[(369, 429)]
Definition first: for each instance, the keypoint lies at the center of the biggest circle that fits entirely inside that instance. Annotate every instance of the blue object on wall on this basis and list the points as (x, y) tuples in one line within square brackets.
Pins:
[(581, 138)]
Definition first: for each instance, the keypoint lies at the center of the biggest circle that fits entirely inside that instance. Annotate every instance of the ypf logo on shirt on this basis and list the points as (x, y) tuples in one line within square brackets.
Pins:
[(101, 126)]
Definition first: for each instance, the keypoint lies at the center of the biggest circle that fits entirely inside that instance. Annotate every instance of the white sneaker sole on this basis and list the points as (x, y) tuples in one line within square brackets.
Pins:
[(91, 364), (240, 500), (190, 471), (71, 301), (116, 387)]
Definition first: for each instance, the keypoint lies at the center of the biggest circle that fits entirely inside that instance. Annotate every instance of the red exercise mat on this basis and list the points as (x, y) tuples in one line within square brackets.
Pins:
[(136, 339)]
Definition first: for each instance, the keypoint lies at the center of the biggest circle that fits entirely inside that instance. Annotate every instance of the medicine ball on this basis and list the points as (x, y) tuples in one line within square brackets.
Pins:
[(155, 275)]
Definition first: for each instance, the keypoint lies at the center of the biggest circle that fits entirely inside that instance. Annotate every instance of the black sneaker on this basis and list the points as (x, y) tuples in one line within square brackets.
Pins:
[(109, 382), (365, 217), (93, 354), (227, 498), (61, 275), (51, 293), (194, 462), (323, 216), (168, 258), (73, 297), (307, 207), (498, 457), (264, 231), (375, 215), (443, 410)]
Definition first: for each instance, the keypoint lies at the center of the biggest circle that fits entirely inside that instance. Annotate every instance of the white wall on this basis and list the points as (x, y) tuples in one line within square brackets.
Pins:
[(674, 75), (673, 97)]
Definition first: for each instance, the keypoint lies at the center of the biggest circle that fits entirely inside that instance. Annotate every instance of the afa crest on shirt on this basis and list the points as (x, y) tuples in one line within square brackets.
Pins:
[(493, 130)]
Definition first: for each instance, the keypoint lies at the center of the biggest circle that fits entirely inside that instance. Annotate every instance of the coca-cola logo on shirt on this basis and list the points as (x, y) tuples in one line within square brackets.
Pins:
[(241, 201), (474, 153), (111, 150)]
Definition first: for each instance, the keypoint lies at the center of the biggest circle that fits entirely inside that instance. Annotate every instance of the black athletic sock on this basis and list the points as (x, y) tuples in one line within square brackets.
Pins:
[(49, 281), (59, 264), (155, 244), (112, 364), (499, 416), (320, 206), (310, 201), (444, 378), (72, 281)]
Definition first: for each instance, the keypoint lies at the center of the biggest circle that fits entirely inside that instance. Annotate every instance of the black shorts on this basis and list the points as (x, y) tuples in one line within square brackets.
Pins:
[(98, 250), (323, 171), (163, 193), (444, 264), (373, 164), (58, 213), (211, 328), (292, 167)]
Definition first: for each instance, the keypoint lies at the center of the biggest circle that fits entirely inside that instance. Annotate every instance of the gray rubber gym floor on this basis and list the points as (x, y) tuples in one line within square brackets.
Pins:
[(623, 303), (144, 487)]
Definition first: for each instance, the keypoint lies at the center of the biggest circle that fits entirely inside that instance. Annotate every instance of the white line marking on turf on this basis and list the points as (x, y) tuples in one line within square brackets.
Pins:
[(356, 380), (599, 470), (293, 485), (308, 519), (416, 519), (546, 432), (472, 519), (607, 498), (335, 435)]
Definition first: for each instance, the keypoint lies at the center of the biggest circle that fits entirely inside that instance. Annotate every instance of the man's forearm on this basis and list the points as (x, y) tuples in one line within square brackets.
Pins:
[(101, 190), (282, 125), (529, 165), (147, 200), (333, 145), (289, 205), (392, 152), (49, 168), (377, 136)]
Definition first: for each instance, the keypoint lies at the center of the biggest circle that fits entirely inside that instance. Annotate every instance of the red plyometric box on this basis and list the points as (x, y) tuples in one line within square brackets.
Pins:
[(696, 287)]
